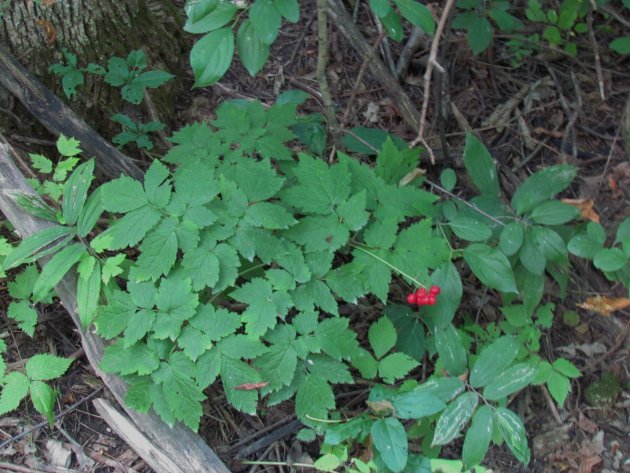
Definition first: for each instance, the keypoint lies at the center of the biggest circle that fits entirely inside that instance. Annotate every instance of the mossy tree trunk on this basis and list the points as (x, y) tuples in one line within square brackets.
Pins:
[(94, 30)]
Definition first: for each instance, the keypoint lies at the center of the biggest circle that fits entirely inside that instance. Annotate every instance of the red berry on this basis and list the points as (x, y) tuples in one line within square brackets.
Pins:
[(435, 290), (423, 300), (411, 299), (421, 292), (431, 299)]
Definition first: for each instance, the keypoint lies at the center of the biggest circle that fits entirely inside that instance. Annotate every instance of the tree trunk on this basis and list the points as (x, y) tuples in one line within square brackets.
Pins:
[(94, 30)]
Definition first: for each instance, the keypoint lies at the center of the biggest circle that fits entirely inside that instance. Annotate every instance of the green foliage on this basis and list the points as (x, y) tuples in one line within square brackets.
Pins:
[(71, 75), (137, 133)]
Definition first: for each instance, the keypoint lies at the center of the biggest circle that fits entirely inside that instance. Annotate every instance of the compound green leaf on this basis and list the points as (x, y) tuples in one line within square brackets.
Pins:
[(56, 269), (138, 358), (113, 318), (492, 360), (268, 215), (261, 313), (513, 432), (491, 267), (211, 56), (176, 298), (277, 366), (123, 195), (395, 366), (454, 417), (75, 191), (203, 267), (184, 398), (365, 363), (14, 389), (44, 366), (318, 233), (566, 368), (193, 342), (480, 166), (541, 186), (68, 146), (158, 252), (314, 398), (382, 336), (393, 163), (156, 185), (478, 436), (127, 231), (390, 440), (336, 339), (235, 373), (138, 395), (559, 387), (43, 399), (510, 381), (138, 326), (252, 51), (24, 314)]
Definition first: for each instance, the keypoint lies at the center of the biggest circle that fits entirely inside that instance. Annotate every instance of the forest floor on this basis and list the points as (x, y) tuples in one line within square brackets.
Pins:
[(556, 108)]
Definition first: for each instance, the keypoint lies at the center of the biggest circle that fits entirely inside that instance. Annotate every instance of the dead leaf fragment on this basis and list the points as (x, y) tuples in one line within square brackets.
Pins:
[(605, 305), (585, 206), (49, 29), (48, 3)]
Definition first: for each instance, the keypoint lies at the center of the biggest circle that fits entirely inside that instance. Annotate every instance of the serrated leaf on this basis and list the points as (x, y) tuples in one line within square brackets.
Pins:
[(41, 163), (478, 436), (156, 185), (113, 317), (138, 326), (236, 373), (395, 366), (491, 267), (393, 163), (277, 366), (211, 56), (123, 195), (365, 363), (44, 366), (24, 314), (14, 389), (390, 440), (513, 432), (268, 215), (382, 336), (43, 399), (566, 368), (262, 312), (138, 395), (184, 398), (56, 269), (492, 360), (510, 381), (559, 387), (137, 358), (480, 166), (68, 146), (336, 339), (159, 252), (541, 186), (314, 398), (454, 417), (451, 349), (75, 191)]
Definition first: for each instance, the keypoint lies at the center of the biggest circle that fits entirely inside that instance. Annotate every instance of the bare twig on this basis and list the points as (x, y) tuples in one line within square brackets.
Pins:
[(598, 62), (551, 404), (416, 38), (427, 78), (322, 62), (360, 75)]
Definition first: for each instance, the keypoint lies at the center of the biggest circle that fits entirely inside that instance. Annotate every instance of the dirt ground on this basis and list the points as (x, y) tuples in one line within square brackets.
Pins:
[(567, 109)]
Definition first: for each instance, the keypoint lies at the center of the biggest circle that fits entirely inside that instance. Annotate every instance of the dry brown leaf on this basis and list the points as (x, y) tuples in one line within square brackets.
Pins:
[(605, 305), (49, 29), (49, 3), (585, 206)]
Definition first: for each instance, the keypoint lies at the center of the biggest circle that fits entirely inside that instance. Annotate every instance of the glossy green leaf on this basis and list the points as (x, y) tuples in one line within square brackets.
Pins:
[(56, 269), (478, 436), (417, 14), (390, 440), (554, 213), (541, 186), (454, 417), (492, 360), (511, 238), (43, 399), (491, 267), (208, 15), (37, 245), (265, 20), (510, 381), (252, 51), (480, 166), (513, 432), (211, 56), (470, 229), (75, 191), (451, 349)]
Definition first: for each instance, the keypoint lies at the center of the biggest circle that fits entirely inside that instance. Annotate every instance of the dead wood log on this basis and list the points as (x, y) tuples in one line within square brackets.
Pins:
[(186, 449), (51, 112), (343, 22)]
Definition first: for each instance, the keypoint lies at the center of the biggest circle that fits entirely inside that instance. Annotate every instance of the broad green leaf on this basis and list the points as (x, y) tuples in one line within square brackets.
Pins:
[(336, 339), (68, 147), (478, 436), (480, 166), (211, 56), (44, 367), (41, 163), (14, 389), (208, 15), (140, 323), (559, 387), (277, 366), (395, 366), (566, 368), (263, 306), (549, 243), (123, 195), (138, 395), (289, 9), (417, 14), (491, 267), (510, 381), (513, 432), (393, 163), (448, 179), (43, 399), (470, 229), (365, 363), (252, 51), (492, 360), (541, 186), (75, 191), (111, 267), (327, 462), (39, 244), (24, 314), (454, 417), (554, 213), (410, 337), (158, 252), (380, 7), (157, 185), (112, 319), (56, 269), (511, 238), (451, 349), (530, 255), (202, 266), (268, 215), (138, 358), (382, 336), (447, 277), (183, 397), (265, 20), (610, 259), (416, 404), (88, 294), (393, 25), (61, 171), (390, 440), (621, 45), (479, 34)]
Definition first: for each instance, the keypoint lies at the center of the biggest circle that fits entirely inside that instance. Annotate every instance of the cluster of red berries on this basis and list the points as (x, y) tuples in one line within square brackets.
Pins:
[(424, 297)]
